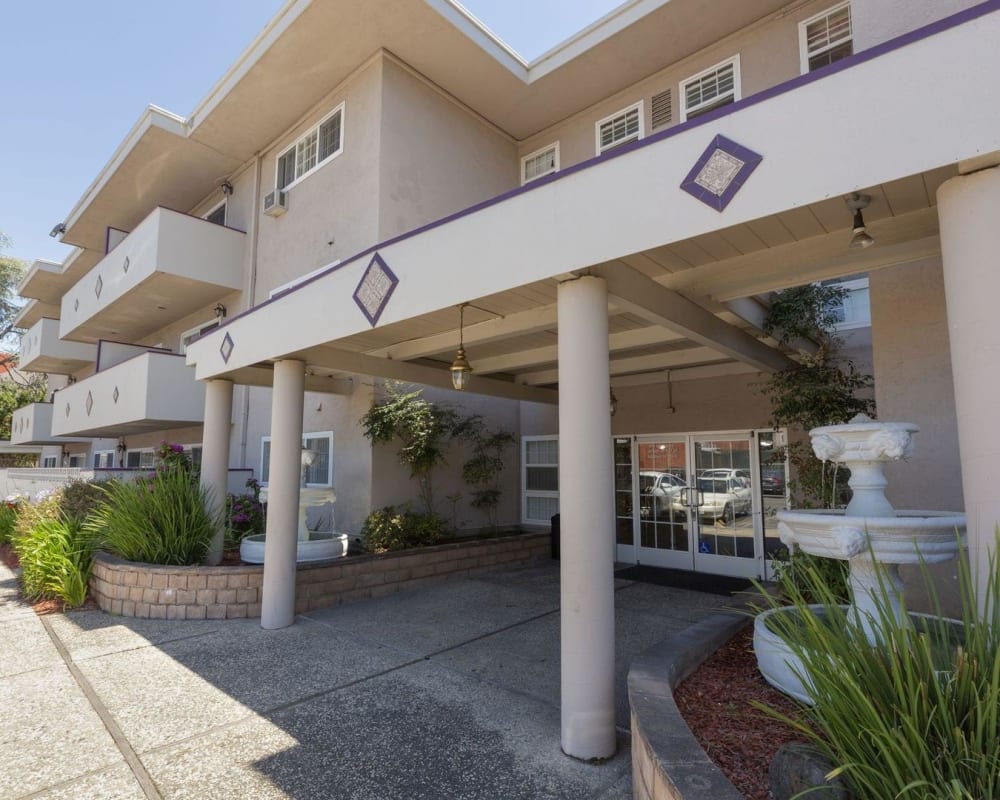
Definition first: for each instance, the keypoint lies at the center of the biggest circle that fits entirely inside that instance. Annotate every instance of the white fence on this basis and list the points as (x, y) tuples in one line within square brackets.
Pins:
[(29, 481)]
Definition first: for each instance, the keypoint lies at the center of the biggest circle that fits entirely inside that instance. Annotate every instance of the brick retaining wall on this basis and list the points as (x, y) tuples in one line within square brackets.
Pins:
[(147, 590)]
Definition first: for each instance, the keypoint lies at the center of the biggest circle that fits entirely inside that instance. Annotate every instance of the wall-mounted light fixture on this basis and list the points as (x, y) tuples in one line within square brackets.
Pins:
[(860, 237), (613, 402), (461, 369), (220, 311), (57, 229), (120, 449), (227, 188)]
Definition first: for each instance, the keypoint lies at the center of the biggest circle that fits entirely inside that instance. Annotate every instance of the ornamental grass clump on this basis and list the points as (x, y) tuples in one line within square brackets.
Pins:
[(56, 558), (160, 519), (915, 715)]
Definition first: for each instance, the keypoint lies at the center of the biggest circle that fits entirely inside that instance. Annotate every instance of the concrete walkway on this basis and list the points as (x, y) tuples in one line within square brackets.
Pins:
[(448, 692)]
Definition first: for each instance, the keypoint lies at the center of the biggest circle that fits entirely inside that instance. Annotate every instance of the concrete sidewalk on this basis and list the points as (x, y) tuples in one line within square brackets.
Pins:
[(447, 692)]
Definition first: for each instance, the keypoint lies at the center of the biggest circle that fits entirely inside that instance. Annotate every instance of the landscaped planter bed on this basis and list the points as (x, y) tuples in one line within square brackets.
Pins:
[(164, 592)]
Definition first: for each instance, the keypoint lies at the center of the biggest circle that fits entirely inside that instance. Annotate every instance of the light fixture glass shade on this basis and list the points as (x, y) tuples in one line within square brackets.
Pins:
[(860, 237), (461, 370)]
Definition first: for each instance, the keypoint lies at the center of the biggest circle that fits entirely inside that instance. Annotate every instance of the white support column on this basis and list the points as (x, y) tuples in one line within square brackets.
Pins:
[(586, 492), (284, 473), (215, 456), (968, 209)]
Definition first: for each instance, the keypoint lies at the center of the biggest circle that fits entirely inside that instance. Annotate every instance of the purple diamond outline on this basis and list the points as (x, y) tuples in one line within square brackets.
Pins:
[(750, 159), (376, 262), (226, 348)]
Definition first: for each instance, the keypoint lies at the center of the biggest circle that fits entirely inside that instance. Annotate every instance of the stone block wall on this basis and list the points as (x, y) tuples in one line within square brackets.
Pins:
[(157, 592)]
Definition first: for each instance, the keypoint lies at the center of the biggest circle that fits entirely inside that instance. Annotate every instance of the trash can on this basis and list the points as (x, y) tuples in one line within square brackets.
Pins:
[(554, 536)]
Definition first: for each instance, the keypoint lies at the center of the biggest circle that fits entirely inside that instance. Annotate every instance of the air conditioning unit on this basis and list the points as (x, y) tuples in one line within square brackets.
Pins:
[(275, 203)]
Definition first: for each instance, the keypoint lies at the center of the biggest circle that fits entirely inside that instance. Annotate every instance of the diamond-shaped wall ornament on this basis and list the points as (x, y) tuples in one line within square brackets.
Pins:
[(114, 395), (90, 403), (721, 172), (376, 287), (226, 348), (67, 409), (98, 287), (125, 266), (76, 304)]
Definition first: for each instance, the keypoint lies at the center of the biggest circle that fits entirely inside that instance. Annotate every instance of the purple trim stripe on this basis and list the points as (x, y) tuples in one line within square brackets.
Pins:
[(899, 42)]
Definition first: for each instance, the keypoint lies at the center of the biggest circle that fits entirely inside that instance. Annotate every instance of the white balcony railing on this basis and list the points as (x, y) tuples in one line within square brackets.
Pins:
[(43, 351), (170, 266), (151, 391)]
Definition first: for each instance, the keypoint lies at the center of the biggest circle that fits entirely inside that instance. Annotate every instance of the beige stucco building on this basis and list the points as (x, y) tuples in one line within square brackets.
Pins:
[(611, 216)]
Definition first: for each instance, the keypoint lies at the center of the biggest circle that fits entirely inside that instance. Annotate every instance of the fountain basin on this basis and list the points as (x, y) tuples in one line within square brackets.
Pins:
[(784, 670), (319, 546), (908, 537)]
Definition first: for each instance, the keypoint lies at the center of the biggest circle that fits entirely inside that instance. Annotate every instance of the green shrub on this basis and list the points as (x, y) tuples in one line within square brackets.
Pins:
[(793, 572), (55, 557), (162, 519), (31, 514), (915, 715), (8, 519), (80, 499), (244, 514), (391, 529)]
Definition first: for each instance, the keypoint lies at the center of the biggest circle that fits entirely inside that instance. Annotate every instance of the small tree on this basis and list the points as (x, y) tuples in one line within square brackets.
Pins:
[(423, 428), (483, 470), (820, 389)]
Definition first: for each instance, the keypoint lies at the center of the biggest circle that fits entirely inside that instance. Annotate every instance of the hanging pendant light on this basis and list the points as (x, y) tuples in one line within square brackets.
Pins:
[(461, 369), (860, 238)]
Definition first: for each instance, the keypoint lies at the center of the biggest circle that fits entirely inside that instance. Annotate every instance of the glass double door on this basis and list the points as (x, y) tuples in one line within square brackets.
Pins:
[(689, 502)]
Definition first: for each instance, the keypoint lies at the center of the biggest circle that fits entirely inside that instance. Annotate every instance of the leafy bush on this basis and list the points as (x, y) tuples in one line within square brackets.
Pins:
[(793, 571), (8, 518), (913, 716), (56, 557), (31, 514), (245, 514), (81, 498), (162, 519), (389, 529)]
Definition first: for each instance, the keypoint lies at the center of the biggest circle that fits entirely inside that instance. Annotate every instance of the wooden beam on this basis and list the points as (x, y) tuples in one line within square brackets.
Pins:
[(326, 357), (645, 297), (618, 366), (624, 340)]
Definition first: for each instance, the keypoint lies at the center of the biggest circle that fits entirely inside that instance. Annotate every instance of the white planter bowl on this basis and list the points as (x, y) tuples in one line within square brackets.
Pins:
[(320, 546)]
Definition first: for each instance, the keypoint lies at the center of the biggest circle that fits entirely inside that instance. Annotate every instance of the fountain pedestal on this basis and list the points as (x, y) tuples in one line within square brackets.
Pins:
[(869, 534)]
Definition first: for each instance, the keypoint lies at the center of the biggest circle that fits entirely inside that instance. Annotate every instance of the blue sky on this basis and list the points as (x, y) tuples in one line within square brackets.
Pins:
[(77, 75)]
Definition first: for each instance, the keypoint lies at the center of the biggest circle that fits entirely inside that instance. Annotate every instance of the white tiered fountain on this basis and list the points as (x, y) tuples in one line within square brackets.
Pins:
[(869, 534), (312, 545)]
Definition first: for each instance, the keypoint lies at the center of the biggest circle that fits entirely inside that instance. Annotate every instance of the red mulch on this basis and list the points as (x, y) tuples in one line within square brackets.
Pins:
[(715, 703)]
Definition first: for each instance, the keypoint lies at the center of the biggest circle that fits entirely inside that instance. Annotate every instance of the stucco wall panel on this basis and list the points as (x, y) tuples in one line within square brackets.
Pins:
[(436, 157)]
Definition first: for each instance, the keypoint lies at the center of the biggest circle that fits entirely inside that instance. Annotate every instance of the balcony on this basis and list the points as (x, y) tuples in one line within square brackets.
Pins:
[(32, 424), (43, 351), (170, 266), (136, 391)]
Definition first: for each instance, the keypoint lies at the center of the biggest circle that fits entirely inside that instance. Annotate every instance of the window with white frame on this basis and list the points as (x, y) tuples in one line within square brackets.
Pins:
[(77, 460), (854, 309), (541, 162), (50, 461), (710, 89), (193, 451), (539, 478), (104, 459), (140, 459), (320, 471), (620, 128), (197, 332), (317, 146), (826, 38)]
